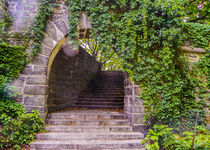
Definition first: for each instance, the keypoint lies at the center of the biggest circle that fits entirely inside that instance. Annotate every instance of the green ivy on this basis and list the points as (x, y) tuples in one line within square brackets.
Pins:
[(37, 31), (147, 36), (198, 34), (162, 137)]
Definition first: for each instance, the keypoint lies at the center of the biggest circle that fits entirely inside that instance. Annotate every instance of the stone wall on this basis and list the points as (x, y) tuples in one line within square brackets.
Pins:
[(23, 12), (69, 76), (133, 105), (32, 82)]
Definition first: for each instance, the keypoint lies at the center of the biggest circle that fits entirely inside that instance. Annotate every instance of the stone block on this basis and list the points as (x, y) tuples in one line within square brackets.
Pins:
[(36, 80), (37, 100), (40, 60), (128, 90), (46, 50), (19, 83), (137, 90), (51, 31), (41, 109), (34, 70), (35, 90), (139, 128), (136, 109), (61, 25), (126, 100), (48, 41), (135, 101), (136, 118)]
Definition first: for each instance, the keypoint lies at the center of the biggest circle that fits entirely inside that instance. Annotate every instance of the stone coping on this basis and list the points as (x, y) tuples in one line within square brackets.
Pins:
[(188, 49)]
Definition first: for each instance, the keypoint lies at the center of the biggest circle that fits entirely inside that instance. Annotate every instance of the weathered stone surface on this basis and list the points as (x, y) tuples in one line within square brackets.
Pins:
[(88, 129), (49, 41), (29, 108), (35, 90), (40, 60), (39, 79), (34, 70), (136, 109), (61, 25), (137, 90), (34, 100), (45, 50), (136, 118), (19, 83)]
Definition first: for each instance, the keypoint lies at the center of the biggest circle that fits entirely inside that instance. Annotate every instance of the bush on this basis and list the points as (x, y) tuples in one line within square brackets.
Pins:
[(162, 138), (16, 126)]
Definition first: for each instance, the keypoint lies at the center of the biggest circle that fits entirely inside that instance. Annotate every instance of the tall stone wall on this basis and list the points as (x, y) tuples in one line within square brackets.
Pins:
[(69, 76), (23, 12), (133, 105)]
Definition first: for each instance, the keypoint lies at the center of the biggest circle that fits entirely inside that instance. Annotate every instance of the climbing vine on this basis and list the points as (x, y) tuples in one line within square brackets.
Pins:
[(38, 28), (147, 35)]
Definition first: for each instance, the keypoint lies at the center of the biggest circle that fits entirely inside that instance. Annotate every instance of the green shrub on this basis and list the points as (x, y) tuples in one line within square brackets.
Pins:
[(16, 126), (162, 137)]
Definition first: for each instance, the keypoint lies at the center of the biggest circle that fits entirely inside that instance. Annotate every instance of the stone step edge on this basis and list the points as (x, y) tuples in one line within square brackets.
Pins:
[(81, 142)]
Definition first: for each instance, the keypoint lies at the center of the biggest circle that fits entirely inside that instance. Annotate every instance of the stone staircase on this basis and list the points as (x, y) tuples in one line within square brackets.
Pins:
[(106, 91), (88, 130), (95, 122)]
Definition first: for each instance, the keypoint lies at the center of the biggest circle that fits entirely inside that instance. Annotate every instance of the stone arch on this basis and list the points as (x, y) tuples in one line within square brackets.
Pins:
[(32, 82)]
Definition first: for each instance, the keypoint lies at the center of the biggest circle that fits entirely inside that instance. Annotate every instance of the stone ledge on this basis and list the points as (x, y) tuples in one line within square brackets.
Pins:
[(188, 49)]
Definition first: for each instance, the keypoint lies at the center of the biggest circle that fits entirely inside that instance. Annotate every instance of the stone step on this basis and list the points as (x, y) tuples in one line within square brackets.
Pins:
[(89, 136), (91, 149), (88, 122), (99, 100), (86, 144), (91, 116), (97, 95), (102, 93), (98, 103), (99, 107), (110, 89), (76, 129)]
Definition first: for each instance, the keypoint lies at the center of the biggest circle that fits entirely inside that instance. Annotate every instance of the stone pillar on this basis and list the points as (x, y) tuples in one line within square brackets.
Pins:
[(194, 54), (133, 105)]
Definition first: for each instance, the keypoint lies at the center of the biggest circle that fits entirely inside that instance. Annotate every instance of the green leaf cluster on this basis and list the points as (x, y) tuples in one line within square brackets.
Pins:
[(38, 28), (16, 126), (162, 137)]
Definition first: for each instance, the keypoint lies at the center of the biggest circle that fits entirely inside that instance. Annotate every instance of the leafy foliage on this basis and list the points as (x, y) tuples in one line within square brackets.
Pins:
[(147, 36), (162, 137), (16, 126), (38, 28)]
